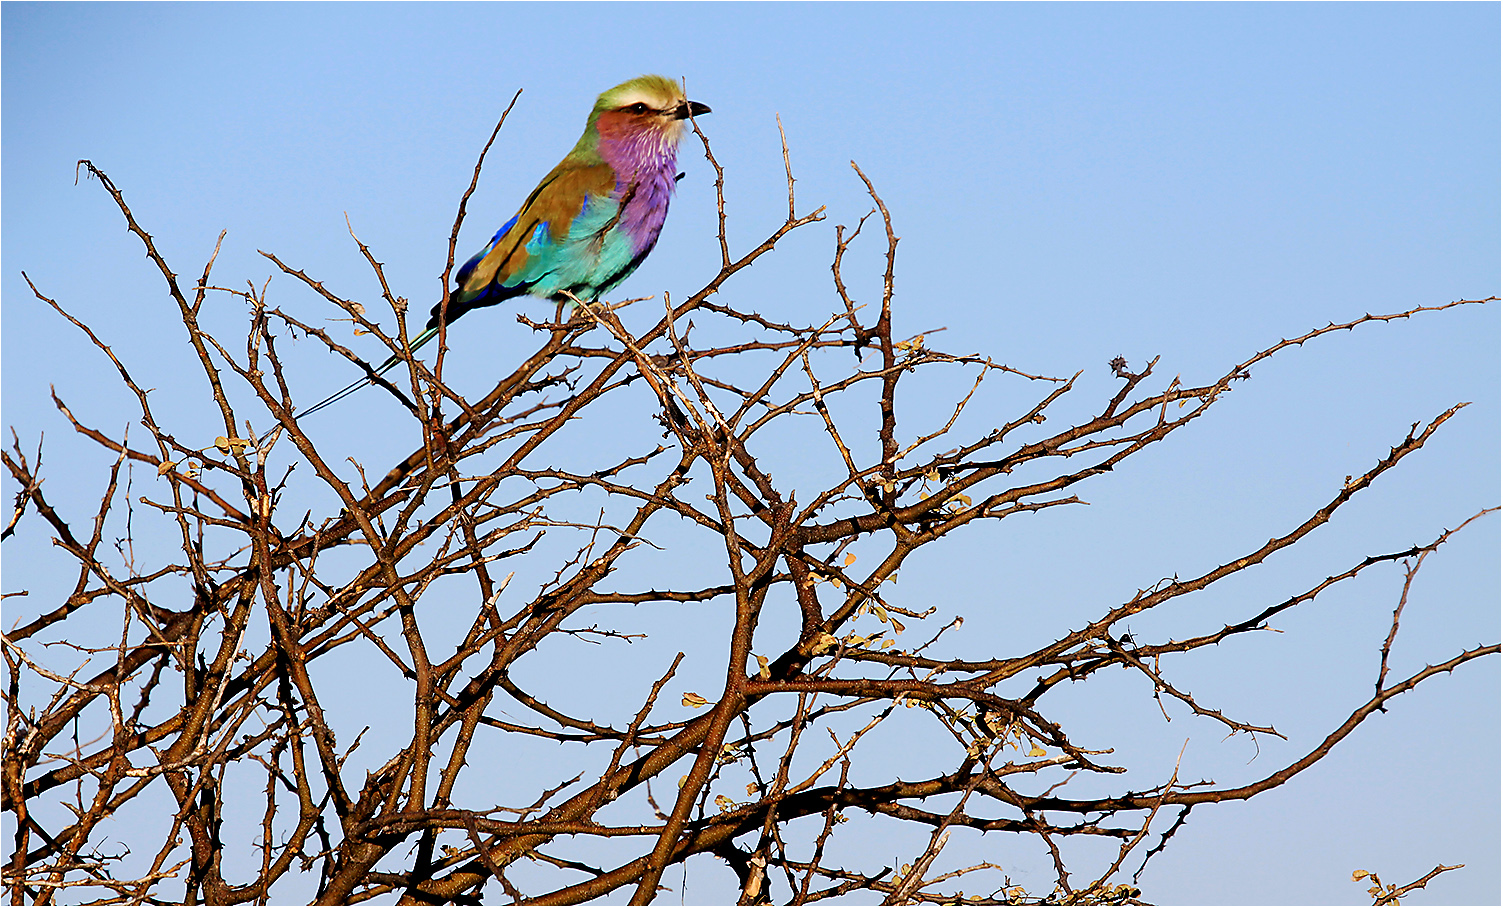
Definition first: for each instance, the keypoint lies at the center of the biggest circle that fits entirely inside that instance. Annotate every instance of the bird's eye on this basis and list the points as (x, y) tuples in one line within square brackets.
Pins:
[(638, 108)]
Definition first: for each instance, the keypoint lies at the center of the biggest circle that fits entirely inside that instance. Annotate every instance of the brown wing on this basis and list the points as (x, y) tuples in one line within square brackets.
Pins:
[(555, 202)]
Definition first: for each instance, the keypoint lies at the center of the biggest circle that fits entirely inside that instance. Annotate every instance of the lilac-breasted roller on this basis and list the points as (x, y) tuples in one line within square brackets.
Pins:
[(593, 218)]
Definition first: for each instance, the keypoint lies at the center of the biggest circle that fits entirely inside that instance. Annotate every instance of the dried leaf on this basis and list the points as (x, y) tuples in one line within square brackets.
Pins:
[(222, 444), (823, 643), (166, 467), (763, 671), (695, 701), (850, 559)]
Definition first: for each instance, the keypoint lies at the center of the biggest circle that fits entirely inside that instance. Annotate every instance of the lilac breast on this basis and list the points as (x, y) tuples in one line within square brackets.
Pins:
[(645, 165)]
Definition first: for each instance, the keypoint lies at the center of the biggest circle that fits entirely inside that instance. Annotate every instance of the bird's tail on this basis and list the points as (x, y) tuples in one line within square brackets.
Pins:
[(427, 335)]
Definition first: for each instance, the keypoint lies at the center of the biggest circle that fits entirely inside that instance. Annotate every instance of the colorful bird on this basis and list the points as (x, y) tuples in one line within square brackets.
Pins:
[(593, 218)]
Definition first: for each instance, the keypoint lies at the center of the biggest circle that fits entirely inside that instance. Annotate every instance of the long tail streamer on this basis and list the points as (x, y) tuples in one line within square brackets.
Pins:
[(347, 390)]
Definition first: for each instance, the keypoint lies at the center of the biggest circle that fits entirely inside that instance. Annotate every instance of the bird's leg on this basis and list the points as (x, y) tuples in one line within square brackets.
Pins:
[(582, 309)]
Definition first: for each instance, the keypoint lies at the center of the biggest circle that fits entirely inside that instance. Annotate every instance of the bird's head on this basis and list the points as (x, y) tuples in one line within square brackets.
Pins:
[(646, 113)]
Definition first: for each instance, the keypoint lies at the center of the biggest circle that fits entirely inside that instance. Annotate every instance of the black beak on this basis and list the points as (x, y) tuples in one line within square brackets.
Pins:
[(690, 109)]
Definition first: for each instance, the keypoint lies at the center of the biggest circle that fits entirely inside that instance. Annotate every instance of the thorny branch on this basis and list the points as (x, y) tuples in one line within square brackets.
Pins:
[(210, 678)]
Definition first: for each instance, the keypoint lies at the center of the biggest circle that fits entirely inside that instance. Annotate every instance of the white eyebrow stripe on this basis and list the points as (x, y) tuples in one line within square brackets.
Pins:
[(655, 101)]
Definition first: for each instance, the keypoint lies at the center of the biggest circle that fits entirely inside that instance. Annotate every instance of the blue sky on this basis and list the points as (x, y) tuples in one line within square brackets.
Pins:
[(1072, 182)]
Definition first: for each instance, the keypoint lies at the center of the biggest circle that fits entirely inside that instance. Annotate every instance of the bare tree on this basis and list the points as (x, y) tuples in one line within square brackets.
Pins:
[(188, 683)]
